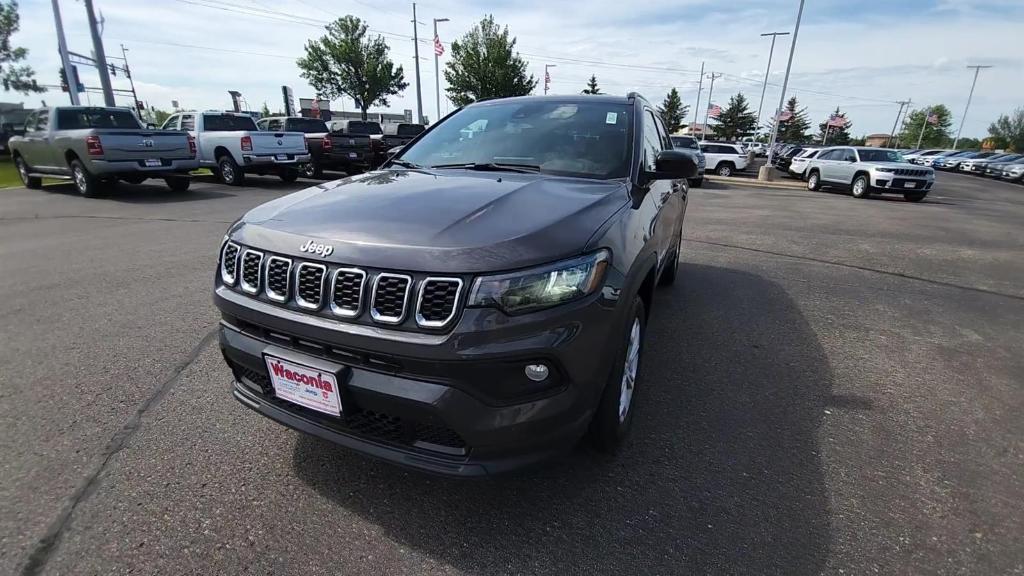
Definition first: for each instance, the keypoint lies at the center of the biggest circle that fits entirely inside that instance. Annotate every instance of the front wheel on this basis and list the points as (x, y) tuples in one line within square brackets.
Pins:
[(33, 182), (288, 175), (696, 182), (725, 169), (229, 172), (178, 183), (860, 188), (85, 183), (615, 411), (814, 181), (311, 170)]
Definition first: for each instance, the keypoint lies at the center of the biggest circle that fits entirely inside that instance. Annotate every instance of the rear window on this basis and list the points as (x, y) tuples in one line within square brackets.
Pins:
[(409, 129), (360, 127), (306, 125), (77, 119), (684, 142), (880, 156), (227, 123)]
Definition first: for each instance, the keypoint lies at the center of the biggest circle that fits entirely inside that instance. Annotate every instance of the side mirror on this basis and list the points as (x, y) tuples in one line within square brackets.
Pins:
[(673, 165)]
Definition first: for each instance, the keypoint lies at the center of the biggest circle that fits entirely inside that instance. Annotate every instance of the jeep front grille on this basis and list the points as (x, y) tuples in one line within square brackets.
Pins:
[(437, 301), (347, 292), (911, 172), (390, 298), (278, 272), (252, 264), (309, 285), (229, 263)]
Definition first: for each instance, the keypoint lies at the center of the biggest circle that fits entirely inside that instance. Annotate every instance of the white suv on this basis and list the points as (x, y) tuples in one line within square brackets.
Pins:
[(723, 159)]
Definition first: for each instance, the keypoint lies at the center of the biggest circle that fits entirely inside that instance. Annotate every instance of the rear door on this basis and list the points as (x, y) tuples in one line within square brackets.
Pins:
[(846, 166), (826, 163)]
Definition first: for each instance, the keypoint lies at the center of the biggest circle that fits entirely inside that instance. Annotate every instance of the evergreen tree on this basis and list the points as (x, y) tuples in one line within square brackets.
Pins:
[(837, 136), (935, 135), (736, 120), (1008, 130), (673, 111), (592, 86), (793, 128)]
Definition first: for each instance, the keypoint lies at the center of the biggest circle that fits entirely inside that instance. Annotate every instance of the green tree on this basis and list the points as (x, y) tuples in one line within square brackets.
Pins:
[(592, 86), (673, 111), (264, 110), (14, 76), (1008, 130), (484, 65), (837, 135), (935, 135), (966, 144), (159, 116), (859, 141), (794, 128), (736, 120), (345, 62)]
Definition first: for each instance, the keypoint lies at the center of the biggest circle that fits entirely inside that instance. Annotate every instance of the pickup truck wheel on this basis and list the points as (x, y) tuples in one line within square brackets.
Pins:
[(288, 175), (615, 411), (86, 183), (860, 187), (178, 183), (814, 181), (725, 169), (33, 182), (696, 182), (229, 172), (914, 197), (311, 170)]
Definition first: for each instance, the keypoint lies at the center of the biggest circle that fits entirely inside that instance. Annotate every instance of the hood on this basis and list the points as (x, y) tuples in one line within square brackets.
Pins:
[(453, 221)]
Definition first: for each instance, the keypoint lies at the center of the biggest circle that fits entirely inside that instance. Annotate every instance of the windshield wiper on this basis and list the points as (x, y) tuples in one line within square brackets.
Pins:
[(405, 164), (493, 167)]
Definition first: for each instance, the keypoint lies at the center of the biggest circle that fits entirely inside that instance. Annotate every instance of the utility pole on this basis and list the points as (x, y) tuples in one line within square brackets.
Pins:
[(547, 77), (927, 113), (127, 72), (765, 171), (416, 56), (764, 86), (696, 107), (902, 103), (438, 50), (968, 107), (707, 110), (62, 47), (101, 57), (904, 119)]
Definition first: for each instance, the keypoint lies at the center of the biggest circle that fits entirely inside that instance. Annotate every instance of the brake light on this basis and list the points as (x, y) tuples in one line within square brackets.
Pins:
[(192, 145), (246, 144), (305, 143), (92, 144), (327, 144)]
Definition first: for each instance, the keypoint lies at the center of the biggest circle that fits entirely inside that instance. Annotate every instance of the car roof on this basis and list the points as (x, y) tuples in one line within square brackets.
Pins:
[(607, 98)]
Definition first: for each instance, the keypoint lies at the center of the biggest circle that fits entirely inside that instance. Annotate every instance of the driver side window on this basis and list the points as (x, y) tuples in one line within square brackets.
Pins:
[(652, 141), (850, 155), (171, 123)]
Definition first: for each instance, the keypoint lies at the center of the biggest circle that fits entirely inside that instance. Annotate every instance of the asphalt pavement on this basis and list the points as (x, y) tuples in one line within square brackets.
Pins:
[(832, 386)]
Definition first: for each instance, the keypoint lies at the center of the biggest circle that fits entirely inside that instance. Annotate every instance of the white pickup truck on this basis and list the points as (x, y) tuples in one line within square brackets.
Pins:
[(232, 145)]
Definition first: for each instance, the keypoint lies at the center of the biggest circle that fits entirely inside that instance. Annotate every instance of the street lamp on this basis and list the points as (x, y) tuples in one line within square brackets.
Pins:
[(765, 172), (438, 50), (766, 72), (968, 107)]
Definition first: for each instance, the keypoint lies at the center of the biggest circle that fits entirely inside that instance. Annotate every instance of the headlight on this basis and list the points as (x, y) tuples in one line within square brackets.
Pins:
[(542, 287), (889, 170)]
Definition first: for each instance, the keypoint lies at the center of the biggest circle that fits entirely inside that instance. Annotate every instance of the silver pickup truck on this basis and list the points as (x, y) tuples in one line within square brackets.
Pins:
[(97, 146), (232, 145)]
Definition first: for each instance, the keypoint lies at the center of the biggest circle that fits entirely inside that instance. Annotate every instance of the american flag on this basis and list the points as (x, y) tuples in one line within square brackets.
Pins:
[(836, 121), (933, 118), (438, 47), (714, 110), (784, 115)]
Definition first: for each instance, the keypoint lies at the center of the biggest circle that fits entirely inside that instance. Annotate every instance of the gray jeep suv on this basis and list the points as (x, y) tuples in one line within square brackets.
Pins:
[(866, 171)]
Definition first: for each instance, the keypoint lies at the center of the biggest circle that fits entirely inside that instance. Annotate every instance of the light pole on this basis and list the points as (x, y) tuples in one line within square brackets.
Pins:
[(927, 114), (62, 47), (766, 72), (416, 56), (707, 109), (438, 50), (968, 107), (547, 77), (101, 57), (765, 172), (896, 122), (696, 107), (127, 72)]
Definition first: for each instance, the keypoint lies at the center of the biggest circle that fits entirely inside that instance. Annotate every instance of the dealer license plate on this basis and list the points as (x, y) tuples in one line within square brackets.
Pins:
[(305, 386), (282, 156), (910, 184), (153, 162), (353, 155)]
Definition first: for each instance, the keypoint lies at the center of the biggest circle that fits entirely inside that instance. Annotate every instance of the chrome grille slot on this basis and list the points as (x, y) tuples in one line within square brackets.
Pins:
[(390, 298), (229, 263), (252, 264), (278, 273), (309, 285), (347, 292), (437, 301)]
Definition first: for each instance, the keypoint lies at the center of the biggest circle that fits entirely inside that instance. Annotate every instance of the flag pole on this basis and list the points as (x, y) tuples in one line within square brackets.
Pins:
[(924, 125)]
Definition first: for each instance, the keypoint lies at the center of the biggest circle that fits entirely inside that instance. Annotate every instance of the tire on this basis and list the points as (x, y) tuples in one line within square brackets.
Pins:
[(860, 187), (614, 415), (914, 197), (178, 183), (86, 184), (814, 181), (288, 175), (311, 170), (31, 182), (725, 169), (228, 171), (696, 182)]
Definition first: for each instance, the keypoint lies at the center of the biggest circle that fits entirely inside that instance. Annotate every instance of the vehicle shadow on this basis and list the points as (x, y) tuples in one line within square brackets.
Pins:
[(145, 193), (722, 473)]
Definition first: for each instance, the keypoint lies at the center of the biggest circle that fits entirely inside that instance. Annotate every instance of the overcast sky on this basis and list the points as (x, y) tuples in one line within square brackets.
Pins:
[(862, 55)]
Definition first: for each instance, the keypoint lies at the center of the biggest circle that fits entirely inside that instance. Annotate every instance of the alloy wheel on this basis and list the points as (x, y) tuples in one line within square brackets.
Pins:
[(629, 370)]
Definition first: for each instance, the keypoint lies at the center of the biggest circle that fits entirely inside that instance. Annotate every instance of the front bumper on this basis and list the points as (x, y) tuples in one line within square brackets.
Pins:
[(885, 182), (427, 401), (138, 167)]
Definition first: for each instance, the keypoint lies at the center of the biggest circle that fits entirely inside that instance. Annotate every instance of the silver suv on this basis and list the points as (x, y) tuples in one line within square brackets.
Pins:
[(867, 171)]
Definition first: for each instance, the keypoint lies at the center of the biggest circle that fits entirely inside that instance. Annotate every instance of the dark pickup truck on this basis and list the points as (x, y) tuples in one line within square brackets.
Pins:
[(357, 146), (401, 134), (317, 140)]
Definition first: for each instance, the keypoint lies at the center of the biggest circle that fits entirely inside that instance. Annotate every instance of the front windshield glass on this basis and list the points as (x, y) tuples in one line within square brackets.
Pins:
[(685, 142), (880, 156), (585, 139)]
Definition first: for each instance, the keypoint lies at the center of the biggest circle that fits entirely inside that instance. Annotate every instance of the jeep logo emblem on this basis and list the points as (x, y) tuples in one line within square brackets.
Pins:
[(311, 247)]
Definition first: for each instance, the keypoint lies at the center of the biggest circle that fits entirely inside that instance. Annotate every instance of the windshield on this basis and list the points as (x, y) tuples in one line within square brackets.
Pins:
[(685, 142), (78, 118), (880, 156), (360, 127), (586, 139), (306, 125), (227, 123)]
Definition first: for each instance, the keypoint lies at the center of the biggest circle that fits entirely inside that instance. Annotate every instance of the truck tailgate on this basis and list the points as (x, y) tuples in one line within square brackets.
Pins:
[(141, 145), (278, 142)]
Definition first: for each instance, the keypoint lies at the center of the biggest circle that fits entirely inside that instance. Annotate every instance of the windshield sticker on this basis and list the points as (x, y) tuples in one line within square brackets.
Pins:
[(611, 118)]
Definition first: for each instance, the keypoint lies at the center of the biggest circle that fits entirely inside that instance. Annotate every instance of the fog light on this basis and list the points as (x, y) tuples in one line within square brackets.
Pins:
[(536, 372)]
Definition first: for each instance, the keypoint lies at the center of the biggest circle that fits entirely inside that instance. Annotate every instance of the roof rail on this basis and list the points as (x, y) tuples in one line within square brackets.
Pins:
[(633, 95)]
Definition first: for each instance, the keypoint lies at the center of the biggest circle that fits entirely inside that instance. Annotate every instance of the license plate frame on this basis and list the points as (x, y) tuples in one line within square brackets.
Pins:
[(353, 155), (153, 162), (910, 184), (302, 383), (281, 157)]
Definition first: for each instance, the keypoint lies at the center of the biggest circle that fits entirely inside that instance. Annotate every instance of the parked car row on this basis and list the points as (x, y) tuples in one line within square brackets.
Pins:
[(1003, 165)]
